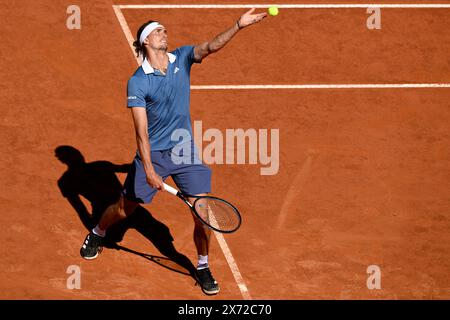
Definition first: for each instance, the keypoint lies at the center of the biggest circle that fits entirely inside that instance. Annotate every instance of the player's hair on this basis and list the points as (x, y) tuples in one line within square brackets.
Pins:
[(140, 49)]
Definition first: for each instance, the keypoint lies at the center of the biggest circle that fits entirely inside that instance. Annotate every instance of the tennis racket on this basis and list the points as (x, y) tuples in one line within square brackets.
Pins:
[(218, 214)]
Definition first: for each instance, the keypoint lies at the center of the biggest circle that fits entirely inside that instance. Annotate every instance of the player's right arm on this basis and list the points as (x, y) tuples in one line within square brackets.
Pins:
[(136, 91), (143, 144)]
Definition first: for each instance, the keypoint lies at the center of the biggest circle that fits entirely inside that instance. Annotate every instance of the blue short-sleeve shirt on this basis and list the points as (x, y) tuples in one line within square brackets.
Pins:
[(166, 98)]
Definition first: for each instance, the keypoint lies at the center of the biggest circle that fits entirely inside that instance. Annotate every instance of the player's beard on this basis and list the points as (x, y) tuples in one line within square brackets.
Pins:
[(164, 46)]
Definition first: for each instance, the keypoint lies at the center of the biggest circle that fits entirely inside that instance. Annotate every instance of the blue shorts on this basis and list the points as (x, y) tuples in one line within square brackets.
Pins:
[(191, 177)]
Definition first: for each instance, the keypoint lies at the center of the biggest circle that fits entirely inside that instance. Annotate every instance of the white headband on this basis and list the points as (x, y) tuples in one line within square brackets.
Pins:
[(147, 30)]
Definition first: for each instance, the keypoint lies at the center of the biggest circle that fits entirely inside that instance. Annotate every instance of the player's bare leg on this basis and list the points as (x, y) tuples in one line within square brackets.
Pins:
[(92, 245), (116, 212), (202, 238), (202, 233)]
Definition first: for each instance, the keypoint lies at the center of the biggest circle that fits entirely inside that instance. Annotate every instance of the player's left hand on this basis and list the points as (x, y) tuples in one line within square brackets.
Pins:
[(249, 18)]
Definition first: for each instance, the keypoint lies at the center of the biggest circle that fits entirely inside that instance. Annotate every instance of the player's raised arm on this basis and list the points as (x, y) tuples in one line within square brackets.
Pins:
[(206, 48)]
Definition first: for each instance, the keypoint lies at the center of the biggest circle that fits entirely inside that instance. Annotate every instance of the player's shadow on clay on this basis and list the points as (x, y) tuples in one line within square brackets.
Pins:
[(97, 182)]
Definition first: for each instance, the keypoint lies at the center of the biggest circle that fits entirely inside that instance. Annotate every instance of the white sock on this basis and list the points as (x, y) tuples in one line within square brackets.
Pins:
[(202, 262), (99, 232)]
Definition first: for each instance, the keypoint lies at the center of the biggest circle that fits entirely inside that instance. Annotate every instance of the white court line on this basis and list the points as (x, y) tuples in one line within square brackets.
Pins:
[(231, 262), (323, 86), (220, 239), (126, 30), (281, 6)]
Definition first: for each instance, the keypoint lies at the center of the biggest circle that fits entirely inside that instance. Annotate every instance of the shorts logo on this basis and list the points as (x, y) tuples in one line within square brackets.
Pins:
[(132, 98), (176, 69)]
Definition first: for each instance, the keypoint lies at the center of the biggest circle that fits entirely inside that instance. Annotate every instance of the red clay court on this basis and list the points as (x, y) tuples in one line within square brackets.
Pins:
[(364, 172)]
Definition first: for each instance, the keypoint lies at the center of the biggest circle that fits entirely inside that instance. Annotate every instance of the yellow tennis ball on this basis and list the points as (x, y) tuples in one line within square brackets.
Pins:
[(273, 11)]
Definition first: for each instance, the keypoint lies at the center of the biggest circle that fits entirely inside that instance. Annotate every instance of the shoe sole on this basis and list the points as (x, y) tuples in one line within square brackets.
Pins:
[(210, 293), (207, 292), (90, 258)]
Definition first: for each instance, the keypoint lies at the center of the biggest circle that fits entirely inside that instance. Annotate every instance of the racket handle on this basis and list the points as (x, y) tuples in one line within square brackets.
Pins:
[(170, 189)]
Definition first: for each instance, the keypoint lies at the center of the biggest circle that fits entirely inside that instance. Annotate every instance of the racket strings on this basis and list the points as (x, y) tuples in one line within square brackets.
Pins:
[(218, 214)]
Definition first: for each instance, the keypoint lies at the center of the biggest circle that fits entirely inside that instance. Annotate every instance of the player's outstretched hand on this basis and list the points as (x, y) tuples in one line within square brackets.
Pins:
[(249, 18)]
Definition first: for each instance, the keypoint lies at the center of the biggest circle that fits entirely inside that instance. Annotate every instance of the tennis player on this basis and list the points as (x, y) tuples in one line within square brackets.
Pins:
[(158, 96)]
